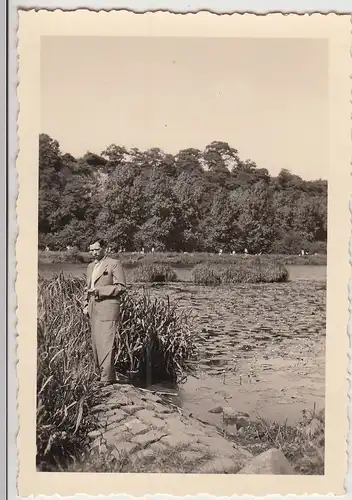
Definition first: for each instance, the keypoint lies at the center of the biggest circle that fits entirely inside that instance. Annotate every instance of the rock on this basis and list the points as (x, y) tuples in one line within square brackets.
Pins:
[(217, 409), (101, 408), (132, 409), (116, 417), (148, 438), (112, 413), (149, 418), (175, 425), (270, 462), (119, 400), (160, 408), (135, 426), (177, 440)]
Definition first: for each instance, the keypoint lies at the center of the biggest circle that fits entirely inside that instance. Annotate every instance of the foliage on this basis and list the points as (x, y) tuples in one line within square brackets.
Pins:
[(194, 201), (154, 273), (155, 340), (65, 373), (247, 271)]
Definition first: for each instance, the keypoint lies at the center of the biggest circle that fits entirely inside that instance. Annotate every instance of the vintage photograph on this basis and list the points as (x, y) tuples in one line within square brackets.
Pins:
[(182, 228), (188, 308)]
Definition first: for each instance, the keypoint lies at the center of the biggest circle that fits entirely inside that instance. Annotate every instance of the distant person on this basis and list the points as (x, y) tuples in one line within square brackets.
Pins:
[(47, 249), (245, 251), (106, 283)]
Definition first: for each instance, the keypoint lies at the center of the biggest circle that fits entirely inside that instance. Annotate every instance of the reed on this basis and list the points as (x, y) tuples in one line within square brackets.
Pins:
[(65, 374), (153, 273), (247, 271)]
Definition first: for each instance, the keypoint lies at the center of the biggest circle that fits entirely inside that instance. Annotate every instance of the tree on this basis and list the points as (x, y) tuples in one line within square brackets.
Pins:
[(193, 200), (256, 218)]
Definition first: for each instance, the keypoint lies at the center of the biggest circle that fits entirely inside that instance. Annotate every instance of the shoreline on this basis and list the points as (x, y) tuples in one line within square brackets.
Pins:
[(179, 260)]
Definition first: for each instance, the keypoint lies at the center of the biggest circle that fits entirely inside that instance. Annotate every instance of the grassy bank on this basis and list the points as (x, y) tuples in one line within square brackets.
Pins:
[(154, 341), (180, 259)]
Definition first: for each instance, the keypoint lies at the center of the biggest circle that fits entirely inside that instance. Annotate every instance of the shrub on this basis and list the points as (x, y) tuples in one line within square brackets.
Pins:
[(154, 273), (245, 271)]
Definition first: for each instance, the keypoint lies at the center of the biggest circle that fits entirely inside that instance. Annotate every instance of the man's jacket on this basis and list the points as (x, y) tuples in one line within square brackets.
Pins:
[(110, 282)]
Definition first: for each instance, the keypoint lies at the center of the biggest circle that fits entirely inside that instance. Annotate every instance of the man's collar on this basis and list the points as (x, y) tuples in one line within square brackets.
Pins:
[(100, 260)]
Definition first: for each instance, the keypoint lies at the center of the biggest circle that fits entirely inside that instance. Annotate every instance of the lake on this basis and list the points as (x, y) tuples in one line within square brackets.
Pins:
[(262, 346)]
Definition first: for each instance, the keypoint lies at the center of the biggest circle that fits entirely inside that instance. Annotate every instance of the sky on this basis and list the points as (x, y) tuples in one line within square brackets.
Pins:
[(268, 98)]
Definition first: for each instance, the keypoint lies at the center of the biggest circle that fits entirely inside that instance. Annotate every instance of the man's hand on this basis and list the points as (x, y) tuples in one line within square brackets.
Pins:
[(85, 311), (93, 291)]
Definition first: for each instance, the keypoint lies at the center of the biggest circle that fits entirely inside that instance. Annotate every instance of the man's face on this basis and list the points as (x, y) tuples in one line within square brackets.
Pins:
[(96, 251)]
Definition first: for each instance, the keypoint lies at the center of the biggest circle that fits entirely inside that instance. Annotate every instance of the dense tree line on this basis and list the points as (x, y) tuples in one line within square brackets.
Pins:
[(192, 201)]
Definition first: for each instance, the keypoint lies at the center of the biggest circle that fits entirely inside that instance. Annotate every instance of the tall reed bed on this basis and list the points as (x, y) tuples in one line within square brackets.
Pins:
[(153, 273), (250, 271), (65, 373), (154, 341)]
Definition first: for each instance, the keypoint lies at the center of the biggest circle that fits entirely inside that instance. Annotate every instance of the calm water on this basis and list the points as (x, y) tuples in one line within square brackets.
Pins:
[(297, 273), (269, 340)]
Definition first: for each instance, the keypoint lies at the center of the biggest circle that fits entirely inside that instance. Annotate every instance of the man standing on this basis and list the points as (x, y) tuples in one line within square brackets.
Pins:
[(106, 282)]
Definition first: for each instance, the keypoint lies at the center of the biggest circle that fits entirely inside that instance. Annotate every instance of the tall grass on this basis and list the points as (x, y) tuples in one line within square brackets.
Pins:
[(153, 273), (153, 341), (250, 271), (65, 373), (303, 444)]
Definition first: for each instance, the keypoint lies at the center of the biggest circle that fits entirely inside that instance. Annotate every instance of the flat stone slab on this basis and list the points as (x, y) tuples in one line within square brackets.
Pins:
[(148, 438)]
